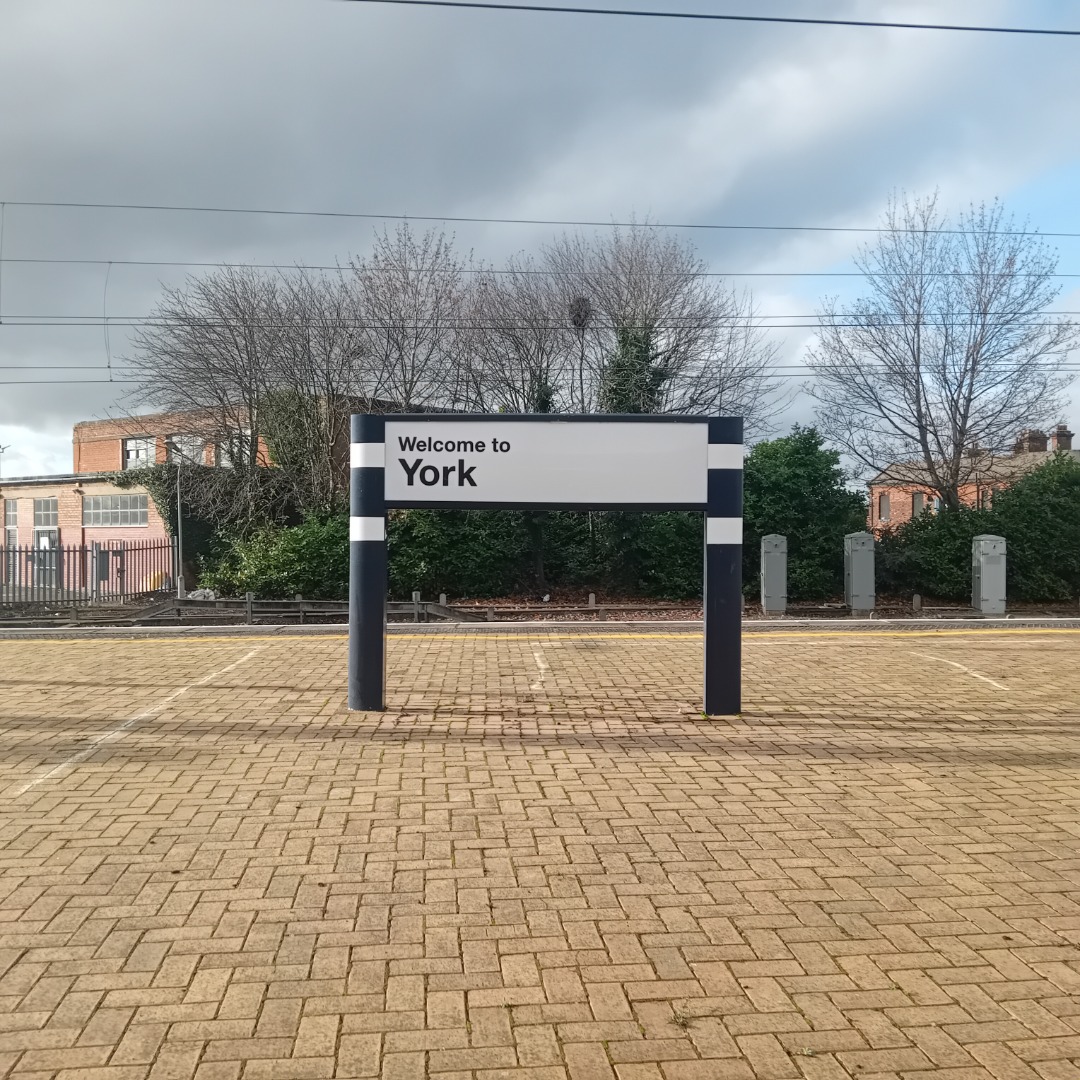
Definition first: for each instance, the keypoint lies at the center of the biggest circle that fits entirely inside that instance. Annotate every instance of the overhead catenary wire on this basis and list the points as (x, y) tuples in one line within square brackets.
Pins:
[(762, 373), (807, 373), (737, 323), (549, 222), (484, 270), (563, 9)]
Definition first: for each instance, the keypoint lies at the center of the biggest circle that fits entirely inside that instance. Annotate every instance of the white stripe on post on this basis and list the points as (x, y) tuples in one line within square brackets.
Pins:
[(720, 530), (725, 455), (367, 528), (367, 455)]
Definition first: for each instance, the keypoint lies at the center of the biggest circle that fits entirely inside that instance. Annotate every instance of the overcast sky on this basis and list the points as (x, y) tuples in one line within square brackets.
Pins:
[(327, 105)]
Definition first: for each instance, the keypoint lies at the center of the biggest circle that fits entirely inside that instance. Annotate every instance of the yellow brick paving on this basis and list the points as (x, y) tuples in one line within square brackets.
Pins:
[(543, 863)]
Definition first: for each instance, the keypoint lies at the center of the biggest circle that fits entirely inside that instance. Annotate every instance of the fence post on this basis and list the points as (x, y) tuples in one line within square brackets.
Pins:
[(773, 574), (988, 574), (121, 571), (95, 571), (249, 604), (859, 572)]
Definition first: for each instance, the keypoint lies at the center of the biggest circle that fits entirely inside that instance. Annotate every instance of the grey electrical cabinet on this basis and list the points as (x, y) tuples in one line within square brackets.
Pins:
[(988, 574), (859, 572), (774, 574)]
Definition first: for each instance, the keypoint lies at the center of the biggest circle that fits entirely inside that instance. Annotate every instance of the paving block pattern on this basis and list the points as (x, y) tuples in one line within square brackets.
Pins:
[(543, 863)]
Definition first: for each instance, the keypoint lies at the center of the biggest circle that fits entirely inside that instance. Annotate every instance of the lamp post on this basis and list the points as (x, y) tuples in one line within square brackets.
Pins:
[(180, 590), (580, 314), (2, 451)]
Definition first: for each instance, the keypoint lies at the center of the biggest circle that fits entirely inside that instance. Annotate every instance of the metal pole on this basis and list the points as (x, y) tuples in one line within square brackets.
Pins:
[(181, 590), (367, 564), (723, 568)]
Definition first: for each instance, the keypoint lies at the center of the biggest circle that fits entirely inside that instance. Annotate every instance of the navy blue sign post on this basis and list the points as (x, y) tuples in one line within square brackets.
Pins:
[(512, 462)]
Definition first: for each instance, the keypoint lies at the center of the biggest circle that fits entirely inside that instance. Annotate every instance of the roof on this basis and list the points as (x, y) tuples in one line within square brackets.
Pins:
[(56, 478), (987, 468)]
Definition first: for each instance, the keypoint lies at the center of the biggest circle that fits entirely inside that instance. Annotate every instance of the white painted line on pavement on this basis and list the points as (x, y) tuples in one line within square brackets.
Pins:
[(542, 667), (966, 670), (117, 731)]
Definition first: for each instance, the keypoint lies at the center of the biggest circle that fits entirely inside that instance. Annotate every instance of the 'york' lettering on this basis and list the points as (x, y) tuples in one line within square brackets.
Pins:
[(430, 475)]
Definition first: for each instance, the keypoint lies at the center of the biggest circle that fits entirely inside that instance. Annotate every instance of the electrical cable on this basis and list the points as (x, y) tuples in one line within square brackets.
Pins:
[(471, 220), (702, 16)]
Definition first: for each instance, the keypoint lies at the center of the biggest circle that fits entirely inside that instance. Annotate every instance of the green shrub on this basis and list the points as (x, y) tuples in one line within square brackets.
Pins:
[(931, 554), (1039, 516), (795, 487), (659, 555), (276, 563), (475, 553)]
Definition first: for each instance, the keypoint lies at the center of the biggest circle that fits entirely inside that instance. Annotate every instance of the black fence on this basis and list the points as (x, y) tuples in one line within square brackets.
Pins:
[(109, 573)]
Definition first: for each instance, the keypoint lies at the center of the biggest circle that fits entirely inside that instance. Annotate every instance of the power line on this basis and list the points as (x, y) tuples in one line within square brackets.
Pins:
[(924, 319), (1067, 368), (502, 271), (457, 220), (67, 382), (565, 10), (727, 324)]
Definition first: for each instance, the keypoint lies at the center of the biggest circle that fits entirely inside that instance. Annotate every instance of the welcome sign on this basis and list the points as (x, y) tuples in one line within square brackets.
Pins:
[(519, 462), (587, 464)]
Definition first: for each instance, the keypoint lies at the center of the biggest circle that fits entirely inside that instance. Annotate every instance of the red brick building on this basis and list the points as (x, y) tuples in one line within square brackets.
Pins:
[(85, 507), (137, 441), (896, 496)]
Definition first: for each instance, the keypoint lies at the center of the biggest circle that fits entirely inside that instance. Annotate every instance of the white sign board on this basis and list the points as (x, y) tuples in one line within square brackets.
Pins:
[(568, 463)]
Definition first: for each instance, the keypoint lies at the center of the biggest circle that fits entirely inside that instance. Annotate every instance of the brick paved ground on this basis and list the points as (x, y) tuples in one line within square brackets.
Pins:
[(544, 863)]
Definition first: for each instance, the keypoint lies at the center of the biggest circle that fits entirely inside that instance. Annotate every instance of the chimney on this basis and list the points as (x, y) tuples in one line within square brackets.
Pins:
[(1062, 438), (1032, 441)]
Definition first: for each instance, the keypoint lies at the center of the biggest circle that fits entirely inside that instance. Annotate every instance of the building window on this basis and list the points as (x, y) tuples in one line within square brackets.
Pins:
[(918, 503), (937, 503), (46, 520), (185, 450), (101, 511), (986, 496), (233, 450), (46, 513), (883, 511), (139, 453), (11, 523)]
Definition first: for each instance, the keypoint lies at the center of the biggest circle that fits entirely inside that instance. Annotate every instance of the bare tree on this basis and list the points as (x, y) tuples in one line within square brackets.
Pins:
[(316, 380), (661, 335), (260, 369), (207, 356), (518, 342), (951, 352), (207, 352), (411, 293)]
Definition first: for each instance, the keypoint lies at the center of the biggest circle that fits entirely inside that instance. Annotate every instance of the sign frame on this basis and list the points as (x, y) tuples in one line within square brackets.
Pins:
[(722, 507)]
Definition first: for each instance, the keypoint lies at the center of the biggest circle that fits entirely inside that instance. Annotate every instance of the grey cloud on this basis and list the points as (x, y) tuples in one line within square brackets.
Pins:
[(316, 104)]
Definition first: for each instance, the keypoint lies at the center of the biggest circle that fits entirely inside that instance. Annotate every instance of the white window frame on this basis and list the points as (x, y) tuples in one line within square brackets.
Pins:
[(145, 443), (223, 452), (134, 508), (884, 503), (185, 449), (53, 514)]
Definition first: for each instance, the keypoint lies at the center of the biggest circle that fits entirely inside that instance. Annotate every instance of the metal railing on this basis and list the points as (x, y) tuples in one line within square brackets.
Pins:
[(109, 573)]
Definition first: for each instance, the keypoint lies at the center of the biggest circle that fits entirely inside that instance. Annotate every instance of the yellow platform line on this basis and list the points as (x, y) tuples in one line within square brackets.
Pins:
[(525, 635)]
